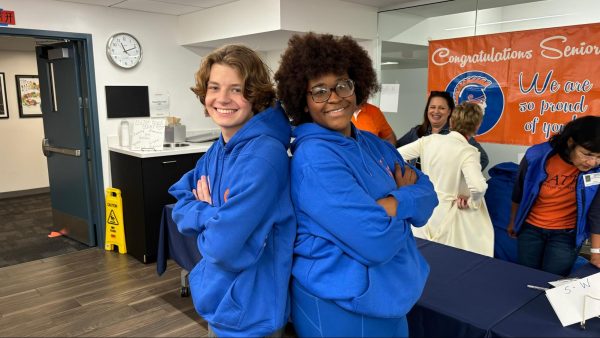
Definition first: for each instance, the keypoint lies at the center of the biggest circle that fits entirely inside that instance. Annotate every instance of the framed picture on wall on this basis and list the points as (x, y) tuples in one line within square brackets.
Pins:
[(3, 101), (28, 96)]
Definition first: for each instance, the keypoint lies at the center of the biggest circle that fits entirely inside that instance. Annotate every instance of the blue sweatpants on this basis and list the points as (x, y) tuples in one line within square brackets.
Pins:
[(316, 317)]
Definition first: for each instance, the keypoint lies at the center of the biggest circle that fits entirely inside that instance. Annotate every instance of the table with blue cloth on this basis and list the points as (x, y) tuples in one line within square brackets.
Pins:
[(470, 295), (537, 318), (584, 270), (172, 244)]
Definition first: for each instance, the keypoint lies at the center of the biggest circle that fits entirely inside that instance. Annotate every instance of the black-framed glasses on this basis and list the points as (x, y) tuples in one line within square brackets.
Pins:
[(343, 89), (586, 157)]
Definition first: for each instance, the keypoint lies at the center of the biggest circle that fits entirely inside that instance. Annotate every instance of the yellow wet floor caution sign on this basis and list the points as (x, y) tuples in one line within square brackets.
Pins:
[(115, 229)]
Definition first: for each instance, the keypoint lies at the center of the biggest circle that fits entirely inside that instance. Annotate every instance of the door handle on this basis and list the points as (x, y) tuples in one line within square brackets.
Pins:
[(47, 149)]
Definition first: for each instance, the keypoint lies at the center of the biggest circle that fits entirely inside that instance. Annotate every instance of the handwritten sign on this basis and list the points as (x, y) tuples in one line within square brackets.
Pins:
[(568, 299), (525, 81), (148, 134)]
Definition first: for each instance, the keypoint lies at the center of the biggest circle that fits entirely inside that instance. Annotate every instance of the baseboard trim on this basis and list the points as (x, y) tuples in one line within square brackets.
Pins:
[(21, 193)]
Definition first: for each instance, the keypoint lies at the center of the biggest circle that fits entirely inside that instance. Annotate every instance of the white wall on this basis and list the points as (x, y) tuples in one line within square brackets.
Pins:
[(331, 16), (433, 28), (165, 65), (251, 22), (272, 59), (271, 17), (394, 23), (23, 164), (243, 17)]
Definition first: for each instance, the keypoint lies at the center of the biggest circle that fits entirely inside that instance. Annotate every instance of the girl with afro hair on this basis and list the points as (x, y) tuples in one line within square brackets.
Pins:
[(356, 269)]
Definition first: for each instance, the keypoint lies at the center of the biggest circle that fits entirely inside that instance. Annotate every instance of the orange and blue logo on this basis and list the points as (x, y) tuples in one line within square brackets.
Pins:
[(480, 88)]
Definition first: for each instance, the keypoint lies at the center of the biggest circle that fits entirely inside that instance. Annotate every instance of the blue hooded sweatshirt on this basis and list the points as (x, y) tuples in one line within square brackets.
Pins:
[(240, 287), (348, 249)]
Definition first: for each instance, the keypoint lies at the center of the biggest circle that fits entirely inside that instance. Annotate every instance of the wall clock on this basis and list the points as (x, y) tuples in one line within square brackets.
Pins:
[(124, 50)]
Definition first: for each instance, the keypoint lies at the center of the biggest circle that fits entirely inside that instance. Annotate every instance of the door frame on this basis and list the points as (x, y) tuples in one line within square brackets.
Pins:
[(95, 155)]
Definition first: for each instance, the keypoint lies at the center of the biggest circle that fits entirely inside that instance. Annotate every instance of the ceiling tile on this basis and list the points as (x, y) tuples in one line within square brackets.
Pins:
[(105, 3), (157, 7), (198, 3), (170, 7)]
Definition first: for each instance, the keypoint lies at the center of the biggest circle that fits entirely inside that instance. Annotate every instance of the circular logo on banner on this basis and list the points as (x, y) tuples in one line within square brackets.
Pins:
[(481, 88)]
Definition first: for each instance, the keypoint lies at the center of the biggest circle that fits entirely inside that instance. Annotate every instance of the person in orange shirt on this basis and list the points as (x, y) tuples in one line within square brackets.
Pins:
[(556, 200), (370, 118)]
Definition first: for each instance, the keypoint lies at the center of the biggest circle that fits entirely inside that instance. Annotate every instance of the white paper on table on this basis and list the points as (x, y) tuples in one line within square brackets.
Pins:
[(567, 300), (562, 281), (148, 134), (390, 93)]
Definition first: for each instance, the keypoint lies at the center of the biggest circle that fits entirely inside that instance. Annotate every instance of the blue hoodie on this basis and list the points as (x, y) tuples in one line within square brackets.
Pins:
[(348, 249), (246, 236)]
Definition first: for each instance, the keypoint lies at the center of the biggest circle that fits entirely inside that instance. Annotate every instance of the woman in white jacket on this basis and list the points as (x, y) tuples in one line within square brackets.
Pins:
[(461, 219)]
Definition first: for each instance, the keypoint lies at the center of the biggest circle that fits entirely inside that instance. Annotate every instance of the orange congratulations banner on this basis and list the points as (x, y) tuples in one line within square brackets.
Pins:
[(530, 83)]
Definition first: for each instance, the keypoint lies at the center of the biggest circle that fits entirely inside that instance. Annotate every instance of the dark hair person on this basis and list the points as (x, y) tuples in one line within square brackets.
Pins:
[(556, 204), (436, 115), (356, 267)]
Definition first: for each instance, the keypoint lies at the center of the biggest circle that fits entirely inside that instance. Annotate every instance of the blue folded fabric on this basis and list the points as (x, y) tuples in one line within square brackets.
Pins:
[(498, 199)]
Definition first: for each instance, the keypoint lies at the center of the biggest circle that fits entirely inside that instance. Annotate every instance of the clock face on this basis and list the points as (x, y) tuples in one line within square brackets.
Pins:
[(124, 50)]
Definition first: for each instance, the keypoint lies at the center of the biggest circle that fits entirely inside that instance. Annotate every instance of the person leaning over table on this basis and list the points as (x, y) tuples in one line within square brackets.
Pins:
[(356, 270), (556, 204), (370, 118), (237, 200), (461, 219), (437, 112)]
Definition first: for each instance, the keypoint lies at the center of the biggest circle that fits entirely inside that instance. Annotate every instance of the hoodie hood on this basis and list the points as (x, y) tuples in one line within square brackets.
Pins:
[(270, 122), (313, 131), (308, 131)]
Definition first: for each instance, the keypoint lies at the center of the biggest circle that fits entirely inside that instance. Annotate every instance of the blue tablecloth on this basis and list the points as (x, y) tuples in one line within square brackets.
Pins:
[(467, 294), (172, 244), (537, 319), (584, 270)]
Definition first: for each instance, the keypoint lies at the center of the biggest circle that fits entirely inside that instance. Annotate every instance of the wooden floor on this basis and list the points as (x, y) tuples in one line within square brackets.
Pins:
[(94, 293)]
